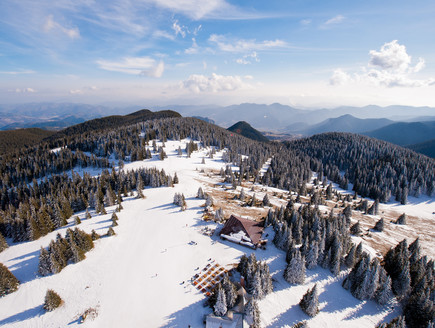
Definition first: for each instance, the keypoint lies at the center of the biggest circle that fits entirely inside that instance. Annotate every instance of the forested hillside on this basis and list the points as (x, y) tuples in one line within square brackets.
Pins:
[(16, 139), (377, 169)]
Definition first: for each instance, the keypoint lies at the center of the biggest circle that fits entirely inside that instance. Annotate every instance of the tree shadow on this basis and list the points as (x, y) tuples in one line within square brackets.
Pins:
[(191, 315), (25, 270), (22, 316), (290, 317)]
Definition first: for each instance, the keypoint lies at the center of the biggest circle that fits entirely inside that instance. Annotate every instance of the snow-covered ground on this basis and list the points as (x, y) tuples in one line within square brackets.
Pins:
[(135, 278)]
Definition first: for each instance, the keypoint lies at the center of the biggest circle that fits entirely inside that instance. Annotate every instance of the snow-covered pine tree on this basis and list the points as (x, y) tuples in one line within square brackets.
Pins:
[(266, 279), (114, 219), (383, 293), (256, 287), (44, 266), (252, 313), (52, 300), (8, 282), (312, 255), (230, 291), (94, 235), (220, 307), (350, 259), (398, 322), (208, 201), (200, 193), (310, 302), (295, 270), (219, 214)]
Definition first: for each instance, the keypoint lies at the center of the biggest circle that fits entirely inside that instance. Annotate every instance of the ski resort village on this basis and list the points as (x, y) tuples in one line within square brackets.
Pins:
[(175, 222)]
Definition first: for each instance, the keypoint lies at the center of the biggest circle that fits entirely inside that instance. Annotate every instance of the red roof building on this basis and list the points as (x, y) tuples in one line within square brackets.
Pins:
[(242, 231)]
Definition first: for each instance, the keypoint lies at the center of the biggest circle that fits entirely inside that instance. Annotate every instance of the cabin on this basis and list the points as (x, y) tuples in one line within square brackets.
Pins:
[(242, 231), (235, 318)]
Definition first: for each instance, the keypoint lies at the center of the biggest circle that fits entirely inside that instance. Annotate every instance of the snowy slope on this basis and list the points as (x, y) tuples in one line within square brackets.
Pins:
[(135, 279)]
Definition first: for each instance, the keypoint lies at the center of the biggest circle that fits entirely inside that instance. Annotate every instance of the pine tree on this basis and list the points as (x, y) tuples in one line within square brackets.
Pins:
[(3, 243), (310, 302), (8, 282), (242, 195), (253, 200), (230, 291), (356, 229), (111, 232), (200, 193), (312, 255), (252, 313), (266, 201), (44, 266), (114, 220), (220, 308), (94, 235), (77, 220), (398, 322), (52, 300), (379, 226), (402, 219), (295, 270), (384, 292)]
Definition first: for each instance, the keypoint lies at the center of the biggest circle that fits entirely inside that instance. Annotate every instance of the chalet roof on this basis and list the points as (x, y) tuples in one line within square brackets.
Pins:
[(251, 228)]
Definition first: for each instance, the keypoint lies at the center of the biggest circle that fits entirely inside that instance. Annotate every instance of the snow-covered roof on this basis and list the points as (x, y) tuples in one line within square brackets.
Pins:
[(213, 321), (242, 230)]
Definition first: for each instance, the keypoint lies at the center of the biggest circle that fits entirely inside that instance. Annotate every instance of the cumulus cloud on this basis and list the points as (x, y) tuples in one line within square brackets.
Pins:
[(50, 25), (145, 66), (242, 45), (391, 66), (214, 83)]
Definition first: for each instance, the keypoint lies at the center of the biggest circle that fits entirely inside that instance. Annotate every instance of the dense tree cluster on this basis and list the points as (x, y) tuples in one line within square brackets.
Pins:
[(257, 277), (325, 239), (8, 282), (413, 281), (31, 211), (376, 168), (62, 251)]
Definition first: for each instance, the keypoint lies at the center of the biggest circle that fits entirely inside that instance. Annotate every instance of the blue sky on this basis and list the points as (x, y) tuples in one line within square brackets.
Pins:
[(158, 52)]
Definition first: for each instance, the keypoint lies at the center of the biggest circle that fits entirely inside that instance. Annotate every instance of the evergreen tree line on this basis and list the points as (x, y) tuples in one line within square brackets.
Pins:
[(377, 169), (256, 274), (324, 239), (405, 274), (35, 210), (63, 251)]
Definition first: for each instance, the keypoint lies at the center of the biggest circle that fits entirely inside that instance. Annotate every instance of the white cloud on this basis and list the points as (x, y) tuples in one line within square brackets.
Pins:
[(214, 83), (339, 77), (194, 49), (306, 22), (76, 92), (195, 9), (134, 65), (242, 45), (25, 90), (51, 25), (389, 67), (159, 34), (18, 72), (179, 29), (333, 21), (247, 59)]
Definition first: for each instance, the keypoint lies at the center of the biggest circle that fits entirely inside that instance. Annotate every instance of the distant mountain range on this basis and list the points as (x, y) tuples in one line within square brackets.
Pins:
[(405, 134), (345, 123)]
